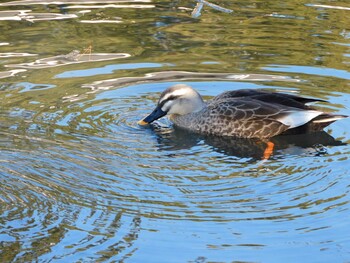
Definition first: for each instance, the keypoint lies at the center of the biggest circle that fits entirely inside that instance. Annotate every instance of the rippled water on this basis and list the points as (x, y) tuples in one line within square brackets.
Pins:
[(82, 182)]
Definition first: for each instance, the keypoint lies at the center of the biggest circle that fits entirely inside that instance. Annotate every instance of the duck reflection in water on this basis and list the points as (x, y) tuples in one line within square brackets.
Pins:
[(172, 139)]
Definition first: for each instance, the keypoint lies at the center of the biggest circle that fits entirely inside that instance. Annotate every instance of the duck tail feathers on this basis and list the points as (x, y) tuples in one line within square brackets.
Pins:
[(328, 118), (318, 123)]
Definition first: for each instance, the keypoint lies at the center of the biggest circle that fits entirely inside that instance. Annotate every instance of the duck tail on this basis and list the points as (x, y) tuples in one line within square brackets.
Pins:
[(316, 124), (328, 118), (323, 120)]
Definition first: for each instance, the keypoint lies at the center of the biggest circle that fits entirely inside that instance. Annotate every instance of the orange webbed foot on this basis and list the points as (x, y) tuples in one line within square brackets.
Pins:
[(269, 150)]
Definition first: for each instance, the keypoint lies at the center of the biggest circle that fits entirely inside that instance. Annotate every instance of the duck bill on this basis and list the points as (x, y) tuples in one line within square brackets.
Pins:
[(155, 115)]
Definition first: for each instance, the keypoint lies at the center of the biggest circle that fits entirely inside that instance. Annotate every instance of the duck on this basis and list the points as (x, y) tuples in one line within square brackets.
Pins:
[(243, 113)]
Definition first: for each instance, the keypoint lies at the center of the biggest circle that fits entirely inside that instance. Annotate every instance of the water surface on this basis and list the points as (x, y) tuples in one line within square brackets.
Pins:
[(82, 182)]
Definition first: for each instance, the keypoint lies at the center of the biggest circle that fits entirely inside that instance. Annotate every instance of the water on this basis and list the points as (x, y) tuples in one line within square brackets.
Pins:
[(82, 182)]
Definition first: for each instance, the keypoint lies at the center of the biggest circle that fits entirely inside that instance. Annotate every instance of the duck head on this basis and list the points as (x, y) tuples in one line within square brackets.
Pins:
[(179, 99)]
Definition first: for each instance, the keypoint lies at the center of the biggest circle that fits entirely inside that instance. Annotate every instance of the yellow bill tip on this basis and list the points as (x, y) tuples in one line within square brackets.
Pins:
[(142, 123)]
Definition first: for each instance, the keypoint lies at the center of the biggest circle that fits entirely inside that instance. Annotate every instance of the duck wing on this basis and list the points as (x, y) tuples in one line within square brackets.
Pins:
[(251, 118), (271, 97)]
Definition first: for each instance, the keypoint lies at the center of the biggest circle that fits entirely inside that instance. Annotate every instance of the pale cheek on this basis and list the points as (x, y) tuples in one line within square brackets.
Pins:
[(177, 109)]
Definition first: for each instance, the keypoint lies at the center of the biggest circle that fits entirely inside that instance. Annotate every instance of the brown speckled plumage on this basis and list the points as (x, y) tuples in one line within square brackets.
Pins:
[(241, 113), (244, 118)]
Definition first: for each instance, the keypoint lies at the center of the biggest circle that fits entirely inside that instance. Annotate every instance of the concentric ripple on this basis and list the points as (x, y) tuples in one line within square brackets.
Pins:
[(100, 157), (82, 178)]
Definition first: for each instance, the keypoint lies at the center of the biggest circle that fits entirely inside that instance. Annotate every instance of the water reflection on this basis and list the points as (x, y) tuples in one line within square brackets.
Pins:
[(11, 73), (73, 57), (170, 139), (80, 181), (27, 15), (14, 54), (100, 21), (330, 6), (101, 5), (182, 76), (336, 73), (66, 2), (66, 237)]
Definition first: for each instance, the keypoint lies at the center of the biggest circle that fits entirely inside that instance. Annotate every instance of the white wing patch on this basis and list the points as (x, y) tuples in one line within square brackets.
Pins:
[(298, 118)]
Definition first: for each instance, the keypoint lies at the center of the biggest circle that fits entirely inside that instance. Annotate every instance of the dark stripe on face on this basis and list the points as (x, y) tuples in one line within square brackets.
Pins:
[(170, 98)]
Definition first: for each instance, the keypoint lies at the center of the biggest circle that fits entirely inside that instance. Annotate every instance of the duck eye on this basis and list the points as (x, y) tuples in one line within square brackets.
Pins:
[(171, 98)]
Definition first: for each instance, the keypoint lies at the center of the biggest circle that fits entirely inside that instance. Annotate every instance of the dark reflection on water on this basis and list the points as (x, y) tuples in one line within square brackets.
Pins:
[(312, 143)]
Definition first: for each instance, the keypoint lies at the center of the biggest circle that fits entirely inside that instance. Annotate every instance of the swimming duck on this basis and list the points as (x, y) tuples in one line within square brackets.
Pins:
[(244, 113)]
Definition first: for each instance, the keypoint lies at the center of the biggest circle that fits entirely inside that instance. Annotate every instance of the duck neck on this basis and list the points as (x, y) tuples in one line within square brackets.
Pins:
[(200, 106)]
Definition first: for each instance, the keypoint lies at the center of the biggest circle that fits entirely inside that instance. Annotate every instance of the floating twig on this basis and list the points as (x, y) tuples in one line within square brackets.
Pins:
[(197, 10), (86, 51)]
